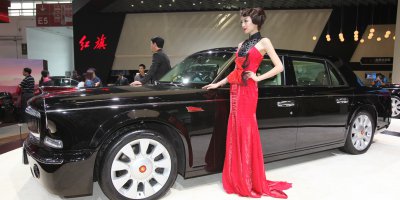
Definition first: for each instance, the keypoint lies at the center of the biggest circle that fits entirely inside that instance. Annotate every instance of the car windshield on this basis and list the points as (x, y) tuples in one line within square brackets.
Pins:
[(197, 68)]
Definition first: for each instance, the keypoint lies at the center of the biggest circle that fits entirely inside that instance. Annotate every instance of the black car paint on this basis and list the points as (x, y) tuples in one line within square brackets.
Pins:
[(88, 119)]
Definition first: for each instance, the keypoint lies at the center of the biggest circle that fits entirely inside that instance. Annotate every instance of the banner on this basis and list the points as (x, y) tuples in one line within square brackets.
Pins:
[(54, 14), (4, 11)]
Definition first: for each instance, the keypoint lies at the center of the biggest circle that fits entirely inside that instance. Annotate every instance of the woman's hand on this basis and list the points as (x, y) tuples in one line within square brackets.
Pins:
[(252, 75), (211, 86)]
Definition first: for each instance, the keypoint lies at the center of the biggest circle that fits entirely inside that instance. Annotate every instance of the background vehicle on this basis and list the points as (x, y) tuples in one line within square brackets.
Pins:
[(135, 140), (395, 92), (8, 111), (64, 81)]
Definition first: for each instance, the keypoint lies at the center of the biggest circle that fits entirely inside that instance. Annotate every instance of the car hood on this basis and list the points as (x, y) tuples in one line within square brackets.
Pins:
[(116, 96)]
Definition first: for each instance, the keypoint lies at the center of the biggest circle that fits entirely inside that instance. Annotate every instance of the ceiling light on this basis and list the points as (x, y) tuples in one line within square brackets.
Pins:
[(160, 6), (141, 1), (362, 40), (355, 32), (132, 5), (194, 4), (372, 30), (394, 37), (386, 36), (219, 3), (169, 5), (314, 37), (328, 39), (378, 39), (388, 32), (369, 37), (356, 39)]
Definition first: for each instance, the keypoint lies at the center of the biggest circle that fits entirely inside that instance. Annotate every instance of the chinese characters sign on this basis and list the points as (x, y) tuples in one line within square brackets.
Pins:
[(54, 14), (100, 43)]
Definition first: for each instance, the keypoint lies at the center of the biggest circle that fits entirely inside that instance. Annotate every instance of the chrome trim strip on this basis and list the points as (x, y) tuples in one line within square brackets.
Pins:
[(136, 105)]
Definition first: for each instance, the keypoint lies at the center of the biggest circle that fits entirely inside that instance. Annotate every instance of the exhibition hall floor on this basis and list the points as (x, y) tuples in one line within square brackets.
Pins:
[(328, 175)]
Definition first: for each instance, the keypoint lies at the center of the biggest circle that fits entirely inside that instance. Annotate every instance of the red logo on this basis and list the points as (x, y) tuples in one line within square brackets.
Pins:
[(84, 44), (101, 42)]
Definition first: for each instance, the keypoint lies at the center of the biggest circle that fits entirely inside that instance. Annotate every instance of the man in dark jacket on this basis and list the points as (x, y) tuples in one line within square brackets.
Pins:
[(160, 64)]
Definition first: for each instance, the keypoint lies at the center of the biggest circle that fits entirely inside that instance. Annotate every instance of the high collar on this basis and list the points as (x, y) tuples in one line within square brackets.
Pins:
[(255, 36)]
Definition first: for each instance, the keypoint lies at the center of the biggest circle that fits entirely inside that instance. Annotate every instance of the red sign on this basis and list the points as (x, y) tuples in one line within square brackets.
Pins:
[(54, 14), (100, 43)]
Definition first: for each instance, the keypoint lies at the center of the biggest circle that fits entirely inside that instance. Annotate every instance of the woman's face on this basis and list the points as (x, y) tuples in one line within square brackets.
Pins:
[(247, 25)]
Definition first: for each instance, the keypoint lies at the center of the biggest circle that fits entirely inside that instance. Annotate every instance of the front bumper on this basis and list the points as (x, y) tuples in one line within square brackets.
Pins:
[(64, 174)]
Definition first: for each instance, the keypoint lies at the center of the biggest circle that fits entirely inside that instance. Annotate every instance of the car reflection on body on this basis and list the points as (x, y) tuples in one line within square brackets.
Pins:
[(135, 140)]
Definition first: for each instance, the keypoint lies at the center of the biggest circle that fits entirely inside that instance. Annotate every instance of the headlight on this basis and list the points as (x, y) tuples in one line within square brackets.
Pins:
[(58, 144)]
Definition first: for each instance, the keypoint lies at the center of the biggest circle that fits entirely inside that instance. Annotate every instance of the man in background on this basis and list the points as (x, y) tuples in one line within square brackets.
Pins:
[(160, 64), (27, 88), (141, 74), (121, 80)]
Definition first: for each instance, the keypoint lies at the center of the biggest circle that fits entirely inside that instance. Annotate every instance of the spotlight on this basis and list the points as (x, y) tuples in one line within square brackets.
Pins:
[(314, 38), (362, 40), (388, 32), (394, 37), (378, 39), (355, 32), (328, 39), (386, 36), (369, 37)]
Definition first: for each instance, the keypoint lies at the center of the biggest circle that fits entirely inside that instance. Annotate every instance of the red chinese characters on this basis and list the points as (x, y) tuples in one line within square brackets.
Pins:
[(84, 44), (100, 43)]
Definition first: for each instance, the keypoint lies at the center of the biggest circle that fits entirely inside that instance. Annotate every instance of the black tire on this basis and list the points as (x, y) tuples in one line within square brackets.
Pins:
[(136, 176), (354, 134), (395, 107)]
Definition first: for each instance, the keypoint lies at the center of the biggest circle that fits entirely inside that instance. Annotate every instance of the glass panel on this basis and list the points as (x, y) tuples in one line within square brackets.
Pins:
[(335, 78), (265, 66), (197, 68), (310, 73)]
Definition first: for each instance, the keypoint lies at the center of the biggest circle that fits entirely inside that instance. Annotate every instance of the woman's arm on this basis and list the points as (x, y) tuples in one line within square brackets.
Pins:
[(278, 66)]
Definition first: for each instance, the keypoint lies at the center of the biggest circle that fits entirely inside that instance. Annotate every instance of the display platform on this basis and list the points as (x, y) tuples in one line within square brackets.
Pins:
[(328, 175)]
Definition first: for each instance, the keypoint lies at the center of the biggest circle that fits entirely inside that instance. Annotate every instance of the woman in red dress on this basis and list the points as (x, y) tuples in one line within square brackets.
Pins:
[(243, 172)]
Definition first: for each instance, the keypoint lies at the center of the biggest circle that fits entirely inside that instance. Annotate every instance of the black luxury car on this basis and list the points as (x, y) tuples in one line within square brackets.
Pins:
[(135, 140), (395, 91)]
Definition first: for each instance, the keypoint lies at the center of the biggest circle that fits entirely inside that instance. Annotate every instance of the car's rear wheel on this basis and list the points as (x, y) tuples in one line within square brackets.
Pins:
[(360, 133), (138, 165), (395, 107)]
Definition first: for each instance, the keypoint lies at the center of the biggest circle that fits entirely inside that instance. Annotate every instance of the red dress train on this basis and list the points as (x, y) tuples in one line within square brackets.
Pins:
[(243, 171)]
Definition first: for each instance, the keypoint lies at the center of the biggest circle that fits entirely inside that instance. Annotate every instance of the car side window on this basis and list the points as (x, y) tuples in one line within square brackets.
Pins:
[(335, 77), (265, 66), (310, 72)]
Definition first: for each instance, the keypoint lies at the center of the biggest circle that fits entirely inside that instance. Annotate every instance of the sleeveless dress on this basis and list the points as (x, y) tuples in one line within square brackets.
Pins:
[(243, 171)]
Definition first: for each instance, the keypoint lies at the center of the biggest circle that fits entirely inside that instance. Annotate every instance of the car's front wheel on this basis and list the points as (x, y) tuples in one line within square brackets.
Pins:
[(395, 107), (360, 133), (138, 165)]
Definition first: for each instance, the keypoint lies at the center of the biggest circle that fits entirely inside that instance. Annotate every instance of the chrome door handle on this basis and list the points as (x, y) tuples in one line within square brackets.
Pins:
[(285, 104), (342, 100)]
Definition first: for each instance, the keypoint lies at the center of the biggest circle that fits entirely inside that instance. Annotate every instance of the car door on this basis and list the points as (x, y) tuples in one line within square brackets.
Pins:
[(323, 102), (276, 112)]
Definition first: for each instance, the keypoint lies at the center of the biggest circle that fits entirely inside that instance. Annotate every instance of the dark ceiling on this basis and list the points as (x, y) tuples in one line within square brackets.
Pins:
[(141, 6)]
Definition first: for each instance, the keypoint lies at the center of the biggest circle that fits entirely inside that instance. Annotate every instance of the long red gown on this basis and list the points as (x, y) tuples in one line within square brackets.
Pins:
[(243, 172)]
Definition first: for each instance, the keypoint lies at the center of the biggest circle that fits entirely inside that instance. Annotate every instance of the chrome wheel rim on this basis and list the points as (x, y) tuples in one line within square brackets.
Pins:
[(361, 132), (141, 168), (395, 107)]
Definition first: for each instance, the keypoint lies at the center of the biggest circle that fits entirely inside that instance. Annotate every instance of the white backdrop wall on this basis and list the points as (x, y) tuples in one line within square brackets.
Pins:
[(188, 32), (56, 49), (16, 28)]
